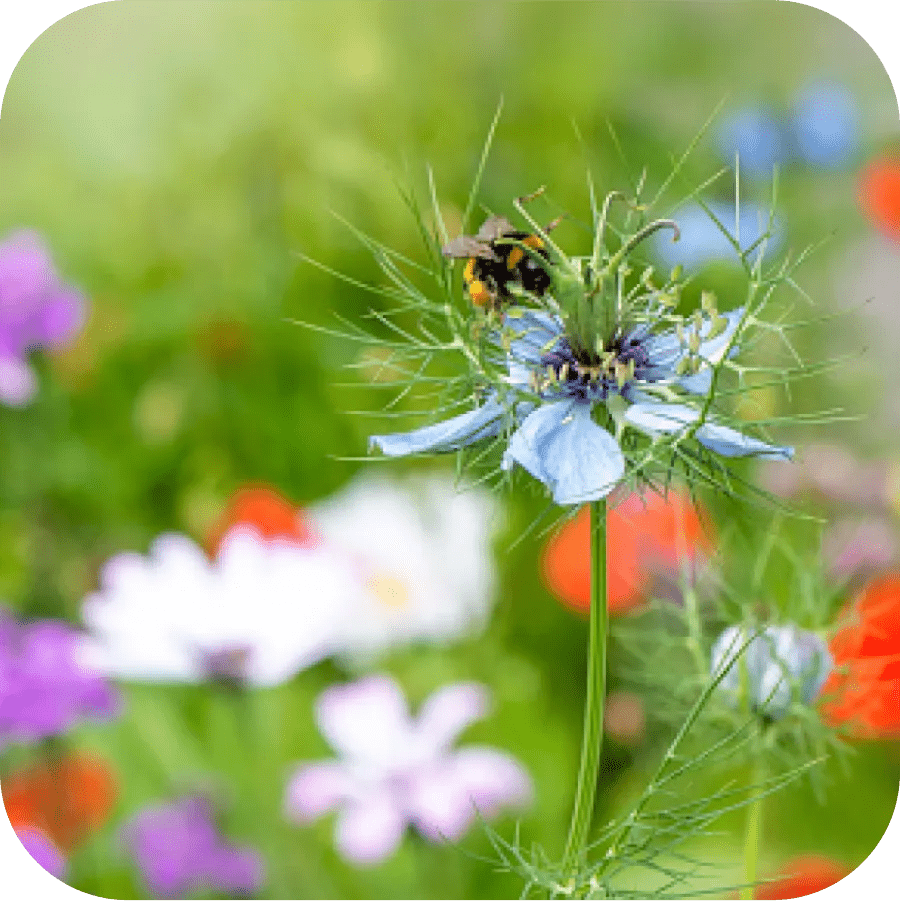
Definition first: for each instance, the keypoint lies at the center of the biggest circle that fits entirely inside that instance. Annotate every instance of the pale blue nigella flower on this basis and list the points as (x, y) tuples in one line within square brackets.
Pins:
[(555, 437)]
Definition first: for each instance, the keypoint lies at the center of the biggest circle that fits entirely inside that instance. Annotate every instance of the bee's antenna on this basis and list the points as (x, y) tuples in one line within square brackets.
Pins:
[(527, 198), (550, 226)]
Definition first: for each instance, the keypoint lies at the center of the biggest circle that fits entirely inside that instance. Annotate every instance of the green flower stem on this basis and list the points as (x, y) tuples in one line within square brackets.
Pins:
[(754, 829), (592, 739)]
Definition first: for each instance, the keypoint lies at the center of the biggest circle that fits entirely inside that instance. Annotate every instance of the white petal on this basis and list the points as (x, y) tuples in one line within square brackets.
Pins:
[(18, 383), (422, 547), (273, 603)]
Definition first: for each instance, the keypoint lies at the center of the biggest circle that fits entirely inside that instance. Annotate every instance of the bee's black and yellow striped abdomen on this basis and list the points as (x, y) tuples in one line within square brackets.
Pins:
[(488, 279)]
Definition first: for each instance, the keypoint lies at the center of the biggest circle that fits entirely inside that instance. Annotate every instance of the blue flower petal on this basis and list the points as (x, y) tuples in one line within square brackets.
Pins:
[(698, 383), (655, 419), (536, 330), (712, 350), (731, 443), (561, 446), (665, 350), (485, 421), (519, 374)]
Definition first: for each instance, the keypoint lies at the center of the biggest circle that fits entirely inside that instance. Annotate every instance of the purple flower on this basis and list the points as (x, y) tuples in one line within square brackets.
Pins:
[(36, 310), (179, 851), (42, 850), (44, 690), (394, 771)]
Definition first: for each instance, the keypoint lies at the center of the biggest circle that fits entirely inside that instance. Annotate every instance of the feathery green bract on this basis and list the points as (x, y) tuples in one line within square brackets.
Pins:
[(651, 851), (665, 649)]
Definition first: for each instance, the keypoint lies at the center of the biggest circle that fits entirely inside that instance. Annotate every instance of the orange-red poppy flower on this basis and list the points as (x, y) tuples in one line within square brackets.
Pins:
[(266, 511), (648, 536), (803, 876), (65, 798), (863, 692), (879, 194)]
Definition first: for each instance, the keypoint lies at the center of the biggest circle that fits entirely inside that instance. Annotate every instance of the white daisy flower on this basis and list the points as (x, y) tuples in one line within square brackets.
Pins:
[(423, 551), (258, 613)]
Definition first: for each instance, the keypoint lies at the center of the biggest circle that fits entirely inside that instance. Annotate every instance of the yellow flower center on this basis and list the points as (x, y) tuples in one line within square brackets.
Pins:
[(390, 591)]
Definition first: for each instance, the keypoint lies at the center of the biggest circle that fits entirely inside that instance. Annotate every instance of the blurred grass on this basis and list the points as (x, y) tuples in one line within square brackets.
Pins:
[(179, 157)]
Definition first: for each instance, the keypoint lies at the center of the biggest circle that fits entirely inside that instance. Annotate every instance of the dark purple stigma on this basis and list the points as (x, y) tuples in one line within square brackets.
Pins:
[(632, 349)]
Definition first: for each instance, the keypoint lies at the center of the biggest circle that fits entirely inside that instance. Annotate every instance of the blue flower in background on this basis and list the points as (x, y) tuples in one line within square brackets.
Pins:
[(755, 135), (822, 130), (555, 437), (826, 125), (702, 241)]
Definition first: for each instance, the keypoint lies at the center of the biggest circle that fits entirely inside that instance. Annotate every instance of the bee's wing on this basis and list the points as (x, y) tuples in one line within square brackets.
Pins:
[(493, 228), (467, 246)]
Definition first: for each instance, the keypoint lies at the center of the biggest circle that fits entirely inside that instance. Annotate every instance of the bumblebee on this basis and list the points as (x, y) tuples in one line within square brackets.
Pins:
[(492, 265)]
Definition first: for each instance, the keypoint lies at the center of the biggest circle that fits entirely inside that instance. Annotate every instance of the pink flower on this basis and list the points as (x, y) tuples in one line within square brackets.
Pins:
[(395, 770)]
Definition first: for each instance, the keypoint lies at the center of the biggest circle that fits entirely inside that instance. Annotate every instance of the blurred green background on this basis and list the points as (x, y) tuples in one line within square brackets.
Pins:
[(178, 157)]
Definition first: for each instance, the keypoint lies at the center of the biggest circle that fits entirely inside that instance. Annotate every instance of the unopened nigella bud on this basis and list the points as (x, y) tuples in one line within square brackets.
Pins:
[(780, 665)]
